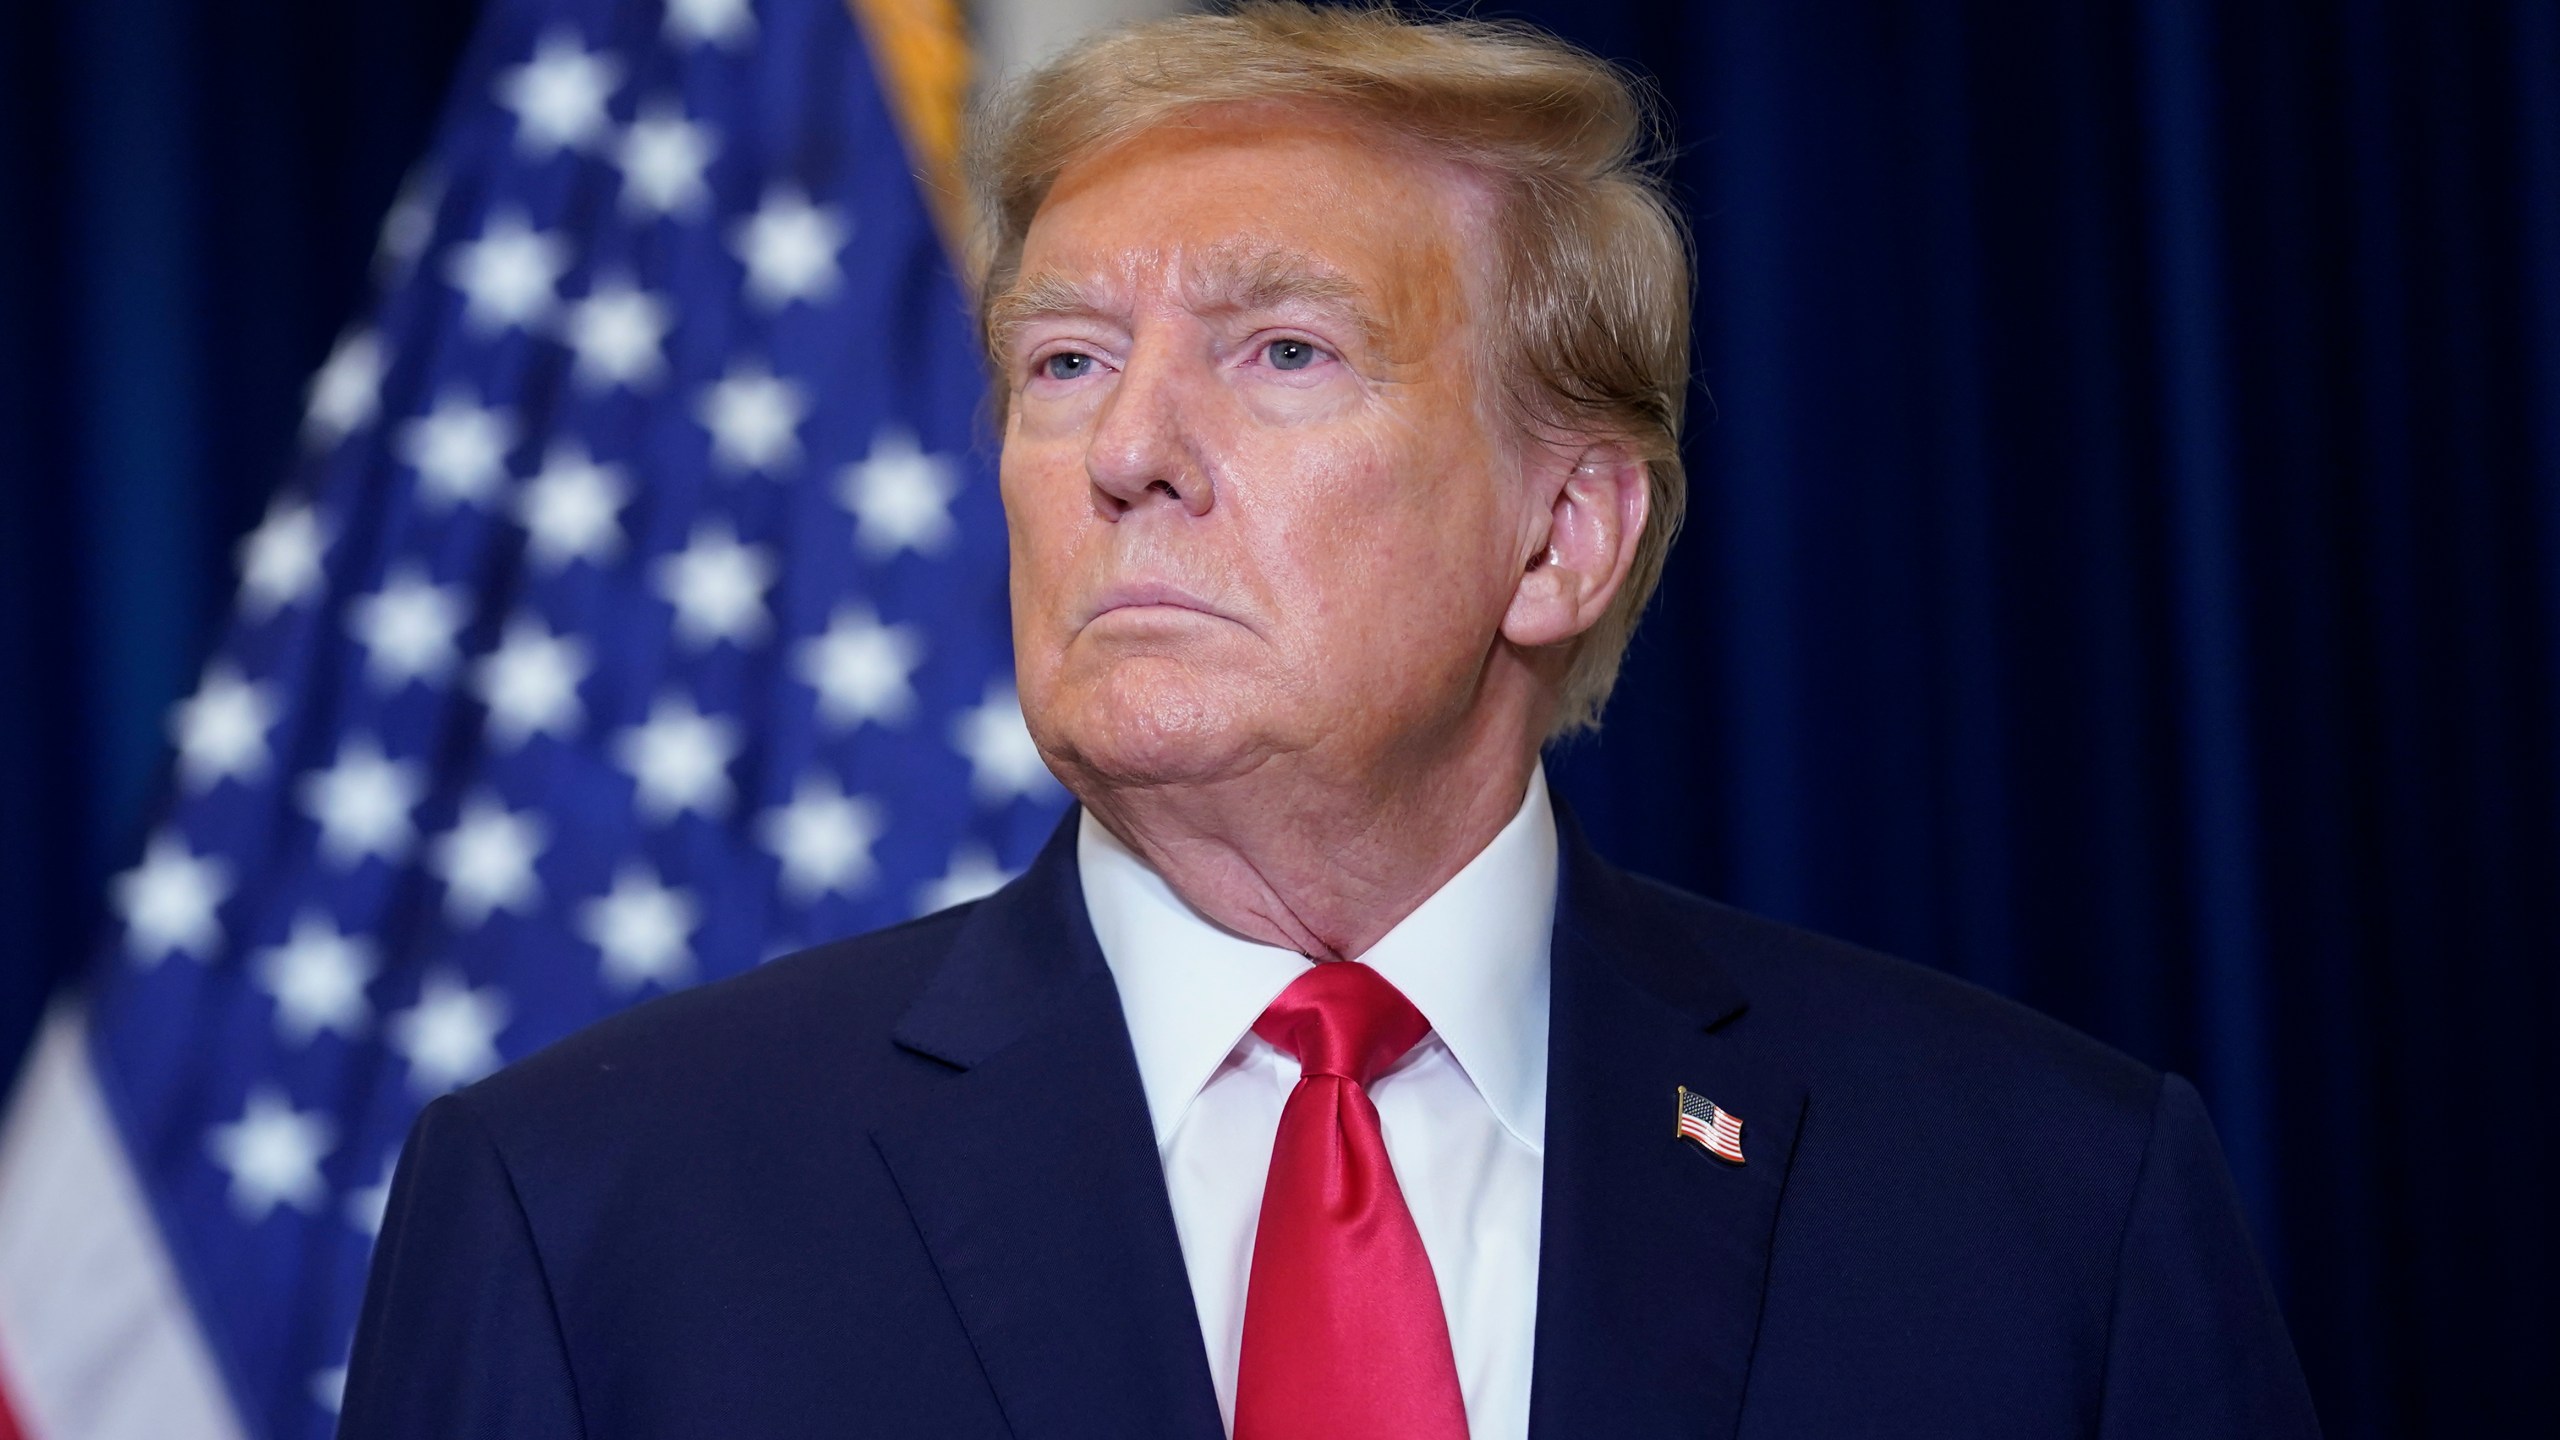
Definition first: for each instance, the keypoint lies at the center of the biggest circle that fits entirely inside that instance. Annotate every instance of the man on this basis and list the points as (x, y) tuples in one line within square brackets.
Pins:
[(1318, 1080)]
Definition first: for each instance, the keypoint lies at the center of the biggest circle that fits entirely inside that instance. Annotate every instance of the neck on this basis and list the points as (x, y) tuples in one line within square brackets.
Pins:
[(1323, 864)]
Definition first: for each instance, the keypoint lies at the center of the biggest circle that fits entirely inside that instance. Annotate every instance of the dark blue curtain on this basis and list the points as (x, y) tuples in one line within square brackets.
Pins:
[(2125, 564)]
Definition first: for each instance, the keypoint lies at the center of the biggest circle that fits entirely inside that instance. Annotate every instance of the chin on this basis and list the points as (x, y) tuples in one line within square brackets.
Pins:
[(1151, 722)]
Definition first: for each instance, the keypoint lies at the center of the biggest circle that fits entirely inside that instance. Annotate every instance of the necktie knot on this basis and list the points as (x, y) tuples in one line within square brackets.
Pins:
[(1343, 1018)]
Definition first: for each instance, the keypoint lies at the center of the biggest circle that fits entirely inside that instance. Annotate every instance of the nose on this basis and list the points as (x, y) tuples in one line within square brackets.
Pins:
[(1141, 451)]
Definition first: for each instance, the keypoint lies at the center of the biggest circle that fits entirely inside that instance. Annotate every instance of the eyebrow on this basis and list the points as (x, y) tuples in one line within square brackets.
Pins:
[(1227, 282), (1039, 297)]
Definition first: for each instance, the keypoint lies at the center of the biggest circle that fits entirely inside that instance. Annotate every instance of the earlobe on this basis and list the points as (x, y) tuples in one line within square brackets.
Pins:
[(1593, 527)]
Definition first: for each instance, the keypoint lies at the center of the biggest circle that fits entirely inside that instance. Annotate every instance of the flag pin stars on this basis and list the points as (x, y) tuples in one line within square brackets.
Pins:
[(1710, 1126)]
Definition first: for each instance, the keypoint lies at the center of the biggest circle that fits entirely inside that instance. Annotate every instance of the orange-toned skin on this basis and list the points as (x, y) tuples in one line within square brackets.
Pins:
[(1292, 602)]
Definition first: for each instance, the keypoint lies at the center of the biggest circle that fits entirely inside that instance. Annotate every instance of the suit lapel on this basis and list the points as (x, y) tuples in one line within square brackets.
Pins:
[(1034, 1181), (1653, 1255)]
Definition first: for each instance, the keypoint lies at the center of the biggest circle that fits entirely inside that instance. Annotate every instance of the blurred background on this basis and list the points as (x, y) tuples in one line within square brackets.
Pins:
[(2124, 564)]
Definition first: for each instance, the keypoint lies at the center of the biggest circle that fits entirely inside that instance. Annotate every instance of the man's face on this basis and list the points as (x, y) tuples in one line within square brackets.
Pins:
[(1258, 500)]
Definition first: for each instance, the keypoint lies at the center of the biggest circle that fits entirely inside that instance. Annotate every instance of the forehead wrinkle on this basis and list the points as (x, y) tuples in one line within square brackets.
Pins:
[(1232, 279)]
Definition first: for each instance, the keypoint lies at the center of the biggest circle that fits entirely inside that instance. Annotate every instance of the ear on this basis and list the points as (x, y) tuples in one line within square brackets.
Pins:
[(1574, 571)]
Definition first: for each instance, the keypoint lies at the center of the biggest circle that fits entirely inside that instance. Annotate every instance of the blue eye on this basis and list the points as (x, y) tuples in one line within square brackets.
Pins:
[(1066, 365), (1289, 354)]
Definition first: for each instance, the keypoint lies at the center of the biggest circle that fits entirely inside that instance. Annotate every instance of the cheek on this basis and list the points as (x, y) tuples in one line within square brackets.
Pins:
[(1041, 476), (1382, 548), (1044, 513)]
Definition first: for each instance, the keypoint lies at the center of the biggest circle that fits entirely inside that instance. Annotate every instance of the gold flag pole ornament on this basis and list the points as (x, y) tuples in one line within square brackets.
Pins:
[(920, 49)]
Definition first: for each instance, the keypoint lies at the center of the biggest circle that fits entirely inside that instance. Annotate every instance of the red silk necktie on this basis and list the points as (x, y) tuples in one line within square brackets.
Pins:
[(1344, 1337)]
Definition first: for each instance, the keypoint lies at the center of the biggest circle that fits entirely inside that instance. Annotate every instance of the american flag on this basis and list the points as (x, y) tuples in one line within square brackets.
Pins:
[(636, 613), (1713, 1127)]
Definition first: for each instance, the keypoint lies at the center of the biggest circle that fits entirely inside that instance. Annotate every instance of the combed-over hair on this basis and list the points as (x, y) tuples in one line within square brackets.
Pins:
[(1592, 273)]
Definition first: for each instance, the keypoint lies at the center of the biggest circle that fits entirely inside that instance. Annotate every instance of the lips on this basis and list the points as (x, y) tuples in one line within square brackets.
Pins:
[(1143, 594)]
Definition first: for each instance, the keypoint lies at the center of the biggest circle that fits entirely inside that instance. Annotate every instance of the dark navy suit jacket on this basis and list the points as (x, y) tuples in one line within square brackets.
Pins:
[(906, 1185)]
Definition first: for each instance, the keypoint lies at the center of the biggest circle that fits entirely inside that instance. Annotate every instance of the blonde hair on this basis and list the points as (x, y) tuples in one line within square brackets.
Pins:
[(1592, 277)]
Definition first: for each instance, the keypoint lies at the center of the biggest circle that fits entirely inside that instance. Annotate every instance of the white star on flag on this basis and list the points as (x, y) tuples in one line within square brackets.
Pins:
[(1003, 761), (273, 1153), (407, 628), (662, 157), (789, 247), (509, 277), (900, 497), (221, 730), (459, 450), (729, 24), (328, 1388), (530, 683), (618, 333), (168, 901), (754, 418), (362, 803), (280, 560), (973, 873), (346, 391), (679, 758), (642, 928), (717, 586), (568, 509), (408, 227), (450, 1037), (823, 838), (861, 668), (559, 95), (317, 979), (486, 861), (366, 1205)]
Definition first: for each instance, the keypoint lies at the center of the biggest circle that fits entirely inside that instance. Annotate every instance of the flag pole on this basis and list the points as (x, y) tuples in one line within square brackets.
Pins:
[(921, 50)]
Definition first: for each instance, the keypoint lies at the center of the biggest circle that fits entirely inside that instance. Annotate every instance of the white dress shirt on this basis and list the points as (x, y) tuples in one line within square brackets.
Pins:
[(1464, 1112)]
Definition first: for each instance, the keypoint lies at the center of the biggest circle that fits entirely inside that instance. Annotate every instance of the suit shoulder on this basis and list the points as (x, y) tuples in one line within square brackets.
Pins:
[(819, 1016), (1856, 1017)]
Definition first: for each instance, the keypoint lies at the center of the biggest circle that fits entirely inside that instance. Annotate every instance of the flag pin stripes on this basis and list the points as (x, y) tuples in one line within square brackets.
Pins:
[(1710, 1126)]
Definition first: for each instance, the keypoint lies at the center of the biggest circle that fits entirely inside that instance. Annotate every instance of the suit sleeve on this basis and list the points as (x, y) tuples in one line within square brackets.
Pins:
[(2197, 1348), (458, 1339)]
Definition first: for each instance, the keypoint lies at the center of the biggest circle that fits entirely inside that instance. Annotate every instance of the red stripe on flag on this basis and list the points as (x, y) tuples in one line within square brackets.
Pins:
[(9, 1428)]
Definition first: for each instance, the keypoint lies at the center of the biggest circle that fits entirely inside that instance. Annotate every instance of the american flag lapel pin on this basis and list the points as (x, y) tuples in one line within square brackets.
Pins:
[(1710, 1126)]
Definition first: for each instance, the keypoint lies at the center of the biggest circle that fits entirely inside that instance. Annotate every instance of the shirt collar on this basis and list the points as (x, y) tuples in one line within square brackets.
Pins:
[(1473, 958)]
